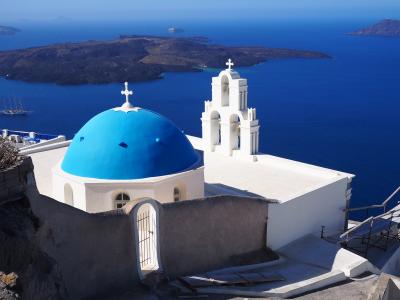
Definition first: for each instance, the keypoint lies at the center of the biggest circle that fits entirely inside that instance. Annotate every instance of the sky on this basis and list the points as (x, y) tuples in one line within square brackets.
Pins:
[(126, 10)]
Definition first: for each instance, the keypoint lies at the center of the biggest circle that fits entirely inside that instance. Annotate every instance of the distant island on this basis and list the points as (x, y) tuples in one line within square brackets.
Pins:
[(386, 27), (130, 58), (7, 30)]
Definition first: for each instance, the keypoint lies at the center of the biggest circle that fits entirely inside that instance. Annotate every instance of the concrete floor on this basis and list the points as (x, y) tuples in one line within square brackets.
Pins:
[(307, 264)]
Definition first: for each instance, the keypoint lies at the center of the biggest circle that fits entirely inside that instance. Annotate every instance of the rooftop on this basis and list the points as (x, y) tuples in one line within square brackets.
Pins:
[(269, 176)]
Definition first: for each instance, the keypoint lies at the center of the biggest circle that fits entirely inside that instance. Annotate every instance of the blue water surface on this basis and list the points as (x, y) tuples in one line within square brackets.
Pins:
[(341, 113)]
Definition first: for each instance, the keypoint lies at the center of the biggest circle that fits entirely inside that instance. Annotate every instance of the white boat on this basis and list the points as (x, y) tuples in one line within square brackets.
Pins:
[(16, 110), (175, 30)]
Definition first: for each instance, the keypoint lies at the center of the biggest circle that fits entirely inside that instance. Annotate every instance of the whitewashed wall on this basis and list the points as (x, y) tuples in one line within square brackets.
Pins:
[(78, 189), (98, 196), (306, 214)]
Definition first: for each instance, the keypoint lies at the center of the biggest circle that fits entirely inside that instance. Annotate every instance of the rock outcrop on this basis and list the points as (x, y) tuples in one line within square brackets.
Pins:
[(26, 271)]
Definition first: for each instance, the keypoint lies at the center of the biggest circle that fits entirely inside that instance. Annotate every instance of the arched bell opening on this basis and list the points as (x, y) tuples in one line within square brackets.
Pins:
[(215, 128), (224, 91), (146, 224), (235, 132)]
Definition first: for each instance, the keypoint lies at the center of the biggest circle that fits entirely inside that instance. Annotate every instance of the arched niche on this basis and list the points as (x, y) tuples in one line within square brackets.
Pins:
[(68, 194)]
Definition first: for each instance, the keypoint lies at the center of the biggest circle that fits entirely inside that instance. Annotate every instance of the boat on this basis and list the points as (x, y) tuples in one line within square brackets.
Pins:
[(16, 110), (175, 30)]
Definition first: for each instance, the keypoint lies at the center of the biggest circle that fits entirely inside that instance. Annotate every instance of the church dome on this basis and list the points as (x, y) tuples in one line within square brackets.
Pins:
[(120, 144)]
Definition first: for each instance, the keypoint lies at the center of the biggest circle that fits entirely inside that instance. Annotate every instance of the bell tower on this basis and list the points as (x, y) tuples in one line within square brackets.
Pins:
[(228, 125)]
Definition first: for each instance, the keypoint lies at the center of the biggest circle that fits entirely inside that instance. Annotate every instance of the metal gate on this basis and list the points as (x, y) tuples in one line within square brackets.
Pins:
[(146, 226)]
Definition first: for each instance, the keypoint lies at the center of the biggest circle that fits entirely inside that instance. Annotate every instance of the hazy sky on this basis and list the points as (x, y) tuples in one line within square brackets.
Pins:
[(110, 10)]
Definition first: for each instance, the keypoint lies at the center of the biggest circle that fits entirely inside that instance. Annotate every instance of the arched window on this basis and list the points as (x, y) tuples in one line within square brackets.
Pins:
[(177, 194), (121, 199), (68, 195)]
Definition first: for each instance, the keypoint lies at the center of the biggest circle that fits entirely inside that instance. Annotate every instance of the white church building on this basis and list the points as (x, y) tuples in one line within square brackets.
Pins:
[(129, 153)]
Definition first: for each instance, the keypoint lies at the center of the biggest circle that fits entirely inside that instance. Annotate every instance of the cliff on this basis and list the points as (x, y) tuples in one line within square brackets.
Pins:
[(26, 271)]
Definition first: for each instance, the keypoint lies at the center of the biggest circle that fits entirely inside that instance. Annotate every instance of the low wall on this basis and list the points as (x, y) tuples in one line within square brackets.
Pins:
[(202, 235), (13, 181), (95, 253)]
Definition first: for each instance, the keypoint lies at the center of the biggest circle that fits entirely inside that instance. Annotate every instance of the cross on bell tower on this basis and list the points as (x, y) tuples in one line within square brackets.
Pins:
[(230, 64)]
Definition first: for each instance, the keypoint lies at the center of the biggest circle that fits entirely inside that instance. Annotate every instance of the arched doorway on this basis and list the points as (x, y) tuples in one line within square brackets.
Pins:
[(68, 194), (224, 91), (147, 240), (235, 132), (215, 128)]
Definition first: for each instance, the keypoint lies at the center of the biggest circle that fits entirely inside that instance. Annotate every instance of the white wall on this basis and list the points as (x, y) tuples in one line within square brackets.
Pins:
[(306, 214), (99, 195), (78, 189), (192, 184)]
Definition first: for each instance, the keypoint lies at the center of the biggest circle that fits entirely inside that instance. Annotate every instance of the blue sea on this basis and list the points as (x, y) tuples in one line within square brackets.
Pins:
[(342, 113)]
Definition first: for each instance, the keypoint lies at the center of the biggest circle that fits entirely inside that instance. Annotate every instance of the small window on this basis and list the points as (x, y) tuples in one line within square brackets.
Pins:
[(121, 199), (177, 194)]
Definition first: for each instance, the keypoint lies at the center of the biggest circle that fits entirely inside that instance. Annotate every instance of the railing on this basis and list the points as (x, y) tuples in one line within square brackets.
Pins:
[(346, 233), (375, 206), (41, 136)]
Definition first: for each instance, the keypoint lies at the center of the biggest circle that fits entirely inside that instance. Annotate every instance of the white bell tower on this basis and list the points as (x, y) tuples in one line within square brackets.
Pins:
[(228, 125)]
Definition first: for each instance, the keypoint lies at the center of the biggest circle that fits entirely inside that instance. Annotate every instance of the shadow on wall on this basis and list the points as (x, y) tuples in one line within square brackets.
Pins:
[(203, 235), (95, 253)]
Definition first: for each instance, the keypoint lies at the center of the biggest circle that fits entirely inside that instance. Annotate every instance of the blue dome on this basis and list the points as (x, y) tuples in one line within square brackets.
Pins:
[(128, 145)]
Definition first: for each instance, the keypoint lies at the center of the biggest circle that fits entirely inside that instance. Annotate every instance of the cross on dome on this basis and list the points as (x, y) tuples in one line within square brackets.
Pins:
[(127, 93), (230, 64), (127, 106)]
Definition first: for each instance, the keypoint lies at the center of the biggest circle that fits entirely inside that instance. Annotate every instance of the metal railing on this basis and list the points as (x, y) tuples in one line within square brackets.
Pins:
[(375, 206), (42, 136)]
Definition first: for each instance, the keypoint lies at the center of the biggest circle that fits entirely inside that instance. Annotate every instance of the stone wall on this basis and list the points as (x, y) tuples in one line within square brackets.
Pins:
[(202, 235), (60, 252), (13, 181)]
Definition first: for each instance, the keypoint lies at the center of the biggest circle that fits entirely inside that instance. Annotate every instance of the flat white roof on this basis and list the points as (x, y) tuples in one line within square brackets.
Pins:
[(269, 176)]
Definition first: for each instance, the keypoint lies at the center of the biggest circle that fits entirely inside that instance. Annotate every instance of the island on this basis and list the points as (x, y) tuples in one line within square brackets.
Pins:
[(7, 30), (387, 27), (130, 58)]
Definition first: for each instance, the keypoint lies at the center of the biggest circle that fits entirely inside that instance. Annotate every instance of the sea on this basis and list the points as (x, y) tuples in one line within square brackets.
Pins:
[(341, 113)]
